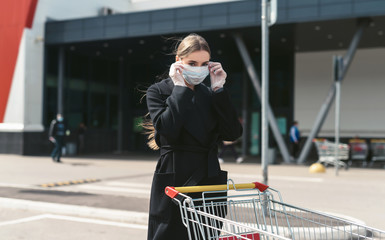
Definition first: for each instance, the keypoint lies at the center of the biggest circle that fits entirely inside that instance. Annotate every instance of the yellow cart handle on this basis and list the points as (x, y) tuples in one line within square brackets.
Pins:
[(173, 191)]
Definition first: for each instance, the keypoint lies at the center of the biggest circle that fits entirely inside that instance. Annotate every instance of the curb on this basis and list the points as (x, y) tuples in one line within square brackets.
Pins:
[(75, 210)]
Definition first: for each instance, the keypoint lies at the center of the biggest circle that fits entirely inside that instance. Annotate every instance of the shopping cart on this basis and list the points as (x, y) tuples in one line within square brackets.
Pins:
[(377, 147), (359, 151), (326, 153), (254, 211)]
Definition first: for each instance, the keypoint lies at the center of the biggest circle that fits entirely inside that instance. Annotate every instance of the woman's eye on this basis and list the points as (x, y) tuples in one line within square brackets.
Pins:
[(192, 64)]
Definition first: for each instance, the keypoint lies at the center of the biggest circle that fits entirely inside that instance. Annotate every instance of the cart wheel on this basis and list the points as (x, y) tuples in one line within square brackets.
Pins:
[(347, 167)]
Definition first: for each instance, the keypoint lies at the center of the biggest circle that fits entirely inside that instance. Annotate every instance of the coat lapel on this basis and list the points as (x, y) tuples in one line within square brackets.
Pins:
[(196, 120), (204, 106)]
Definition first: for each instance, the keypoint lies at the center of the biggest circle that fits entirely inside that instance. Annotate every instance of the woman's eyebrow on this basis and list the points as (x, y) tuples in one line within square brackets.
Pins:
[(193, 61)]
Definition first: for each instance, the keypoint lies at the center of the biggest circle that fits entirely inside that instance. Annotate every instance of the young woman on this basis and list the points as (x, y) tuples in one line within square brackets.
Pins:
[(189, 119)]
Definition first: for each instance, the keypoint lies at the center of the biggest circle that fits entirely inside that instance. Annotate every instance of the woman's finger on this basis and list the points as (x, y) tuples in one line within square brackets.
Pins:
[(218, 72), (178, 69), (178, 64), (216, 68), (212, 65)]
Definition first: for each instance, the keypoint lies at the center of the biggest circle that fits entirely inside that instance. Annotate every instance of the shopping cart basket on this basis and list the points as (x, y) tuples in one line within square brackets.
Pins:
[(327, 153), (359, 151), (377, 147), (256, 211)]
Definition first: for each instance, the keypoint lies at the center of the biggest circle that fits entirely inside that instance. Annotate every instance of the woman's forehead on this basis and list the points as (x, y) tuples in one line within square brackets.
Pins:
[(198, 56)]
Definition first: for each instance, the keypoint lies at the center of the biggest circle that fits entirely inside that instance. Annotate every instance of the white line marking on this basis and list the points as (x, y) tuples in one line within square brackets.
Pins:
[(22, 220), (114, 189), (12, 185), (81, 211), (73, 219), (281, 178), (129, 184), (96, 221)]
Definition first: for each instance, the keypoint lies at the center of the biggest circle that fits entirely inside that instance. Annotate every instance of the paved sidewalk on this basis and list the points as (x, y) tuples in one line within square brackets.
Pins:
[(119, 188)]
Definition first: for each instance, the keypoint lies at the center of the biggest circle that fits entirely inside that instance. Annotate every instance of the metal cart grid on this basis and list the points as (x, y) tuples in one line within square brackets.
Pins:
[(377, 147), (359, 151), (327, 153), (262, 215)]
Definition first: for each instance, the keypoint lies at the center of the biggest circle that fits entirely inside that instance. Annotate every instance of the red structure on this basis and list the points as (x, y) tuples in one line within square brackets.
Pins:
[(14, 17)]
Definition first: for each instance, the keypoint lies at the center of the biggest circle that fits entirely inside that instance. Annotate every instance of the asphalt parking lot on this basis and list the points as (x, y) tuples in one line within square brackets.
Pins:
[(107, 197)]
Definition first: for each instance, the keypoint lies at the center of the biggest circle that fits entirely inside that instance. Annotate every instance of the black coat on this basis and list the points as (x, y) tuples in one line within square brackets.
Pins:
[(189, 125)]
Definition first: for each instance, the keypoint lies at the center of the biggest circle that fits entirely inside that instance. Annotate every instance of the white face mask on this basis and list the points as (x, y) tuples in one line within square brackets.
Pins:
[(195, 75)]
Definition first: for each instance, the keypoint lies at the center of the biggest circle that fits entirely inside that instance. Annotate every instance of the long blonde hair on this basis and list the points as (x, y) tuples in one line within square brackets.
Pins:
[(184, 47)]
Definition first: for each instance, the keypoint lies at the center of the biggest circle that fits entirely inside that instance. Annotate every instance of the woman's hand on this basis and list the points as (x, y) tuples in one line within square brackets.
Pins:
[(217, 75), (176, 74)]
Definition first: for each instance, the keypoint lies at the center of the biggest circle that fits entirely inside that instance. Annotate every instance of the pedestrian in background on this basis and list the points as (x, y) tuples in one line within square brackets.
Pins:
[(188, 120), (56, 133), (295, 137)]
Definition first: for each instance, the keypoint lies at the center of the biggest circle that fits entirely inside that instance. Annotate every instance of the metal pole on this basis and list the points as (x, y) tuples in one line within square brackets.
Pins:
[(265, 89), (245, 115), (120, 107), (337, 71), (60, 80), (347, 59), (254, 79), (337, 123), (322, 114), (90, 75)]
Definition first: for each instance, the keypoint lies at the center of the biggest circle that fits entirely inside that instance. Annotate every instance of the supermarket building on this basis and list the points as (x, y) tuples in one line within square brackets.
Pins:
[(92, 61)]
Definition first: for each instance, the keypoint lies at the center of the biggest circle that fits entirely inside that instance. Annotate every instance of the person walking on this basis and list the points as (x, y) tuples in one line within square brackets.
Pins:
[(56, 136), (188, 120), (295, 137)]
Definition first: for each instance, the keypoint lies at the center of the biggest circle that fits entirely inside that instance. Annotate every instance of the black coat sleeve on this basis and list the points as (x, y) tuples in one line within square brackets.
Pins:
[(168, 115), (230, 128)]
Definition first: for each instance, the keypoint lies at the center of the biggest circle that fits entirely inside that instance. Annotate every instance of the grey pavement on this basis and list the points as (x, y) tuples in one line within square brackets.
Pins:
[(112, 202)]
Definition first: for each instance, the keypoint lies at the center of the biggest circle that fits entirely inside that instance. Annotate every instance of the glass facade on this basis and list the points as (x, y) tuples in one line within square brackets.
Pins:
[(90, 90), (90, 95), (104, 88)]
